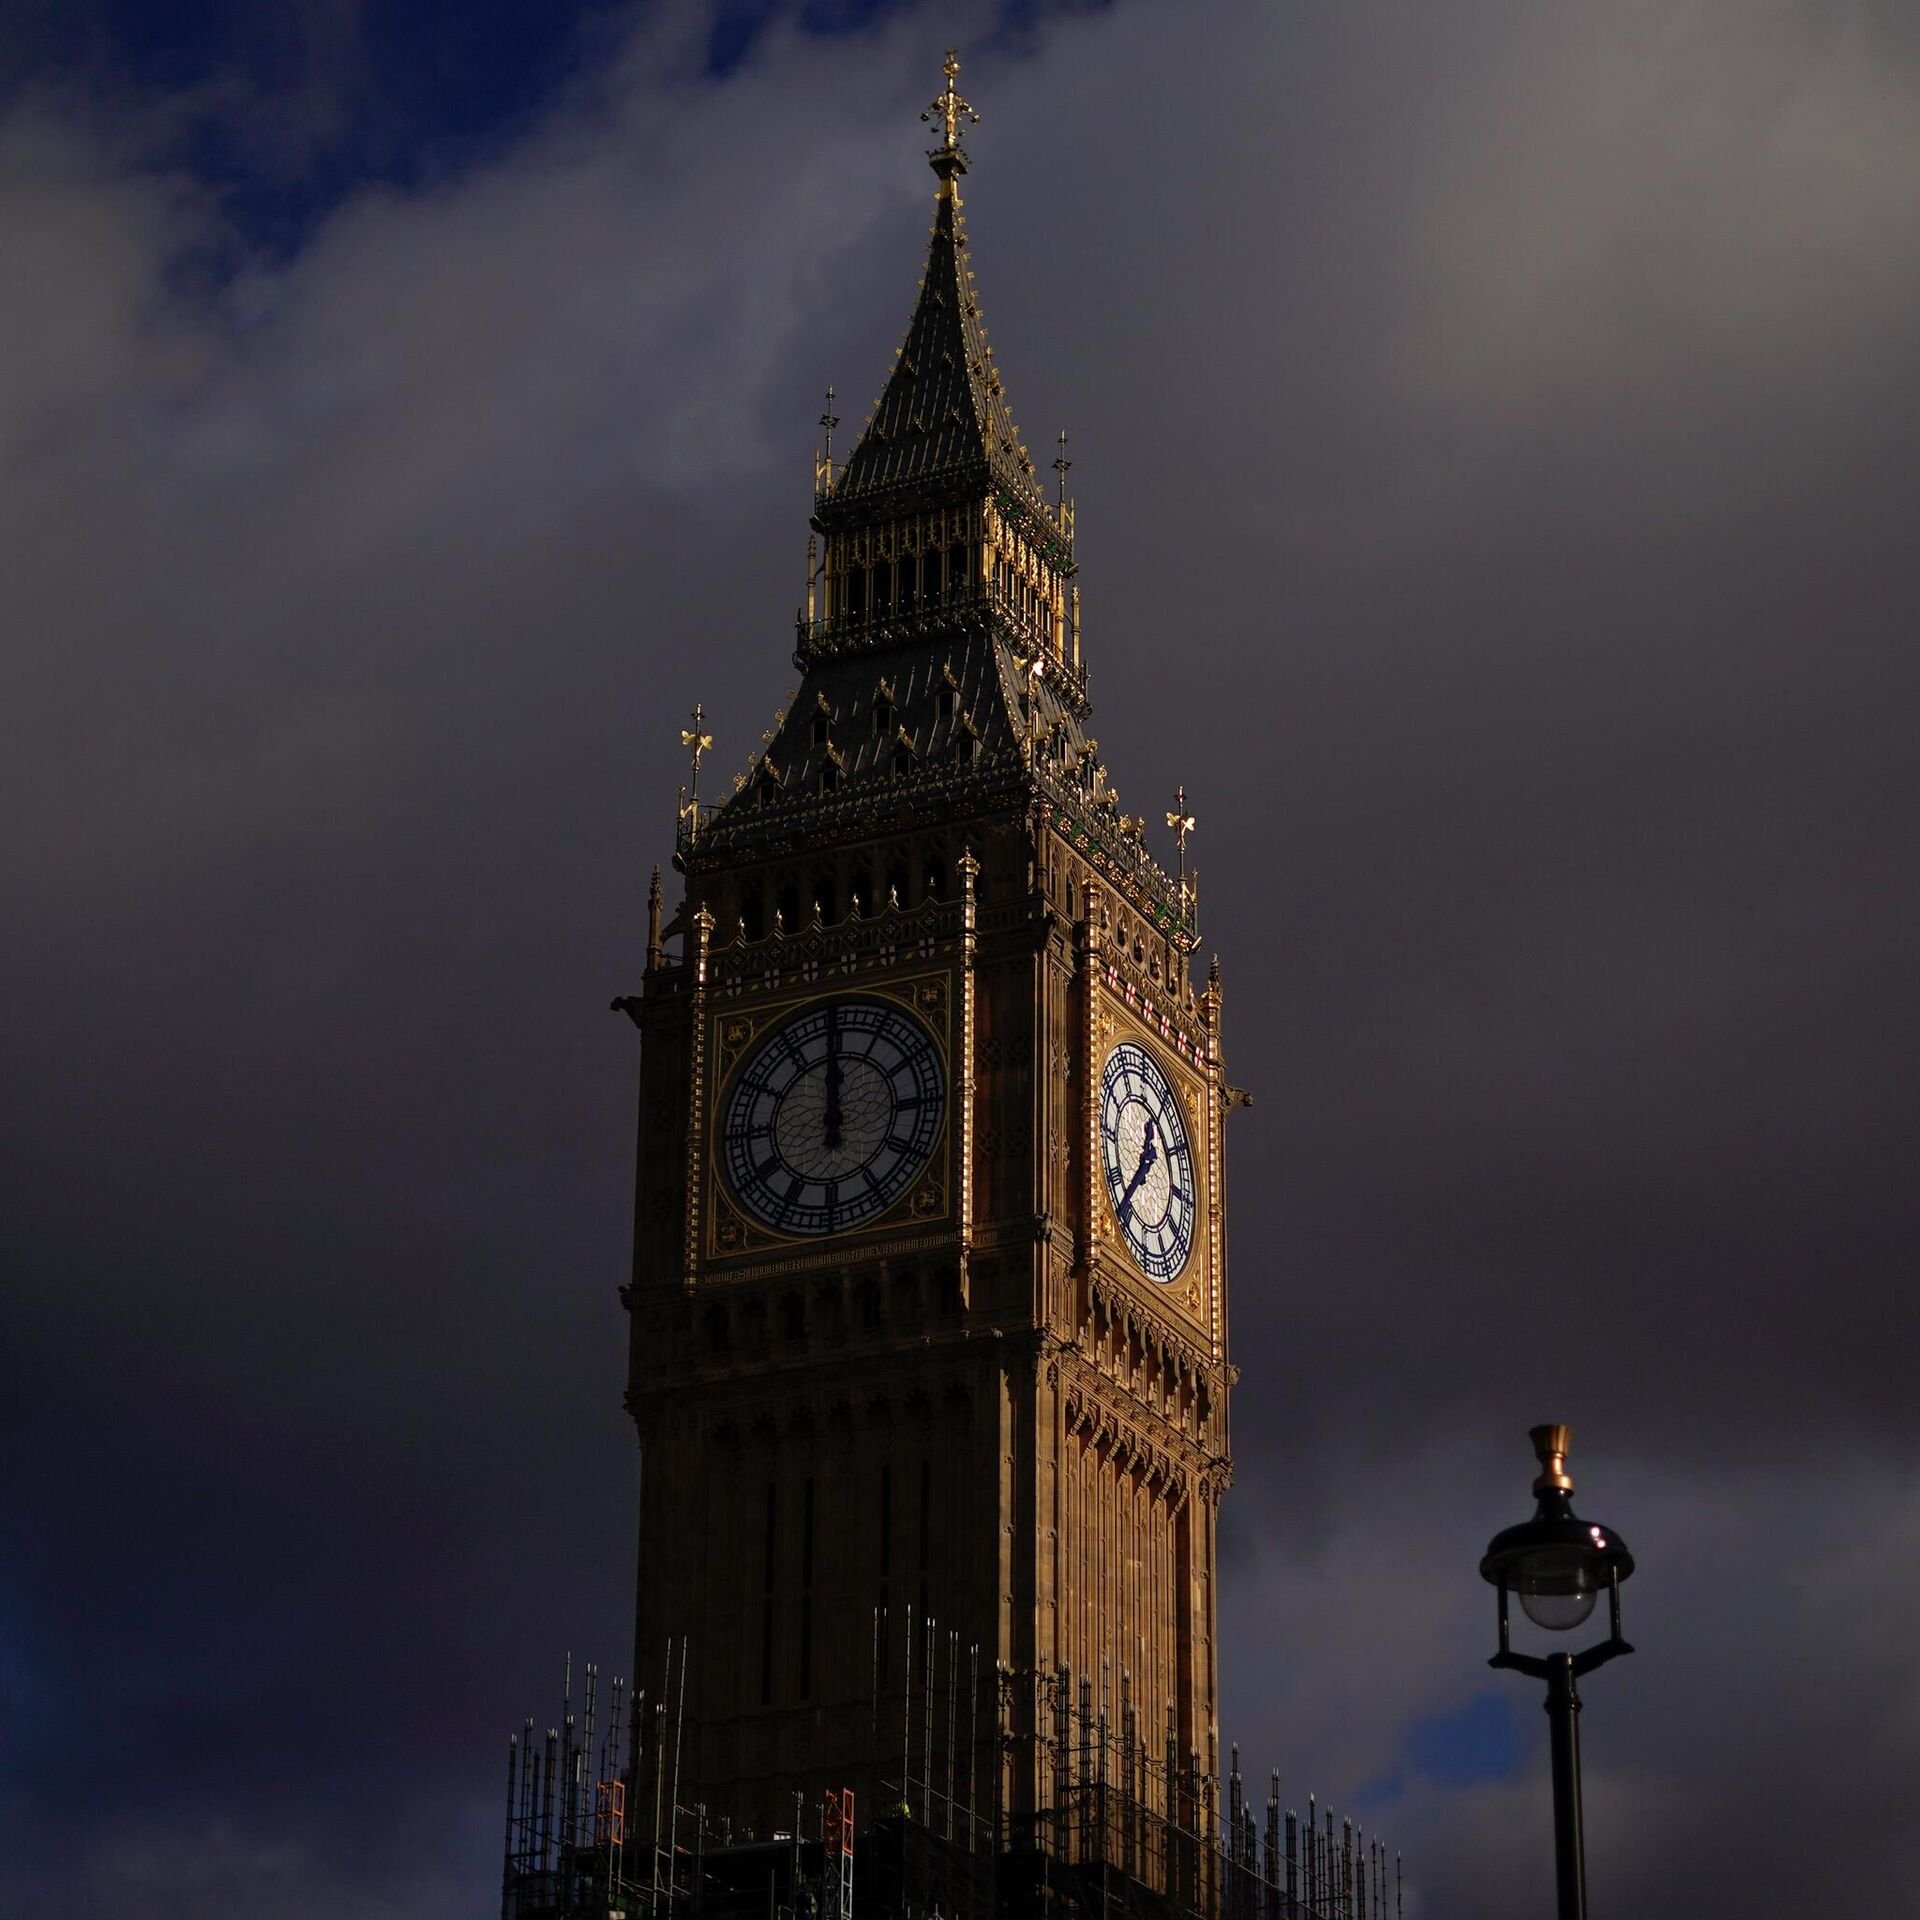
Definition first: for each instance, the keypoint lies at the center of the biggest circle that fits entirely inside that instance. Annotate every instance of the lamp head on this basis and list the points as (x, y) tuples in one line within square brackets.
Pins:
[(1557, 1563)]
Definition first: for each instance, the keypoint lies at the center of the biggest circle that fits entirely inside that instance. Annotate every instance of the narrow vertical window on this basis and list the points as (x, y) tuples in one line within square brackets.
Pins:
[(886, 1557), (926, 1529), (806, 1592), (766, 1603)]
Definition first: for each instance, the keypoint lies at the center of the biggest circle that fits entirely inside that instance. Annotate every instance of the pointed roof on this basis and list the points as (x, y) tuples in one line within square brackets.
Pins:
[(943, 415)]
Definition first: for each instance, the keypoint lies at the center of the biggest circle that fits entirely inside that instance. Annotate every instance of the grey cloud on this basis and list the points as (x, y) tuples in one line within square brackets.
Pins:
[(1492, 436)]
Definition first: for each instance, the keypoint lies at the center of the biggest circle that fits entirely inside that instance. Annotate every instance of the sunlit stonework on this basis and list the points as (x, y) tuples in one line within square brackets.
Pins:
[(928, 1311)]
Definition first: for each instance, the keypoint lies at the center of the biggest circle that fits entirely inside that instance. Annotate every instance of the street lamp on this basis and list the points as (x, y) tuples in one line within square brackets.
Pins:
[(1560, 1565)]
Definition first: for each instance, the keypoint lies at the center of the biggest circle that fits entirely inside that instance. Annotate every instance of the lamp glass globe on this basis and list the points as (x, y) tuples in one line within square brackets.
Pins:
[(1557, 1610)]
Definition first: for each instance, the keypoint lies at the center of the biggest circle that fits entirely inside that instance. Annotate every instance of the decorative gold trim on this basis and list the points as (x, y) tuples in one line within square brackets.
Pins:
[(1184, 1289), (926, 997)]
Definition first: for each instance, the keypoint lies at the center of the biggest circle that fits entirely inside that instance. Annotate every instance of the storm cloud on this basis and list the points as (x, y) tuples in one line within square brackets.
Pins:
[(1495, 431)]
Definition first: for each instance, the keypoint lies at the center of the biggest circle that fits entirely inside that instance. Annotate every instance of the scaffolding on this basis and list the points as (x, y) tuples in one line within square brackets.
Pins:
[(1125, 1826), (566, 1826)]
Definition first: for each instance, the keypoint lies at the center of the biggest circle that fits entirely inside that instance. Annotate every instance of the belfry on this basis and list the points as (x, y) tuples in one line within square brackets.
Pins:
[(929, 1297)]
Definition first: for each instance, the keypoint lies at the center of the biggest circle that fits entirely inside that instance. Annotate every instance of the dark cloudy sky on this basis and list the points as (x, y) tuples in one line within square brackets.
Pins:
[(1496, 432)]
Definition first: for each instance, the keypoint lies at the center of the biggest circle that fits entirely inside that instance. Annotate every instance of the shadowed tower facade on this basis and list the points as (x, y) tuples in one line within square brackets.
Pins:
[(928, 1306)]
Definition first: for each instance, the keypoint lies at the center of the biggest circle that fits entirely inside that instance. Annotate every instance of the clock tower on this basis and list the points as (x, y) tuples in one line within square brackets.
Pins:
[(928, 1306)]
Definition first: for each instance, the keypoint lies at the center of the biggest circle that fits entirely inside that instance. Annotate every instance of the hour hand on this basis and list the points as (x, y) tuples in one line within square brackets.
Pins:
[(1149, 1152)]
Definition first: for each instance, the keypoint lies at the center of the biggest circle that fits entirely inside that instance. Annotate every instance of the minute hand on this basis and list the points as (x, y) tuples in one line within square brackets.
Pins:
[(1149, 1153), (833, 1117)]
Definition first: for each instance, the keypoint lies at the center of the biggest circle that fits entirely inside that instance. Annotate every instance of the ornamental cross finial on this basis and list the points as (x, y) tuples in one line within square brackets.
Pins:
[(1061, 465), (697, 741), (1182, 823), (949, 105)]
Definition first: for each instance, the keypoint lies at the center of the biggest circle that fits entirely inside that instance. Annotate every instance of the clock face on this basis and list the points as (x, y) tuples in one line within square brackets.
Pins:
[(1149, 1166), (832, 1116)]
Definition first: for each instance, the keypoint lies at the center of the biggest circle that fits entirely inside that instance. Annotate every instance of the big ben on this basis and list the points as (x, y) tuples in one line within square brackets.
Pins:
[(928, 1304)]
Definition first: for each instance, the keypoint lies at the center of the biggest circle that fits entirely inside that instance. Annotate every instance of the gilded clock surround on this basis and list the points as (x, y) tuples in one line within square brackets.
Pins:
[(926, 999), (976, 1405)]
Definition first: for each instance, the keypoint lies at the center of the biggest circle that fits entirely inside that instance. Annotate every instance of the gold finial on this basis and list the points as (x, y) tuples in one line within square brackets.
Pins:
[(697, 741), (823, 463), (947, 158), (1182, 823), (1551, 1445)]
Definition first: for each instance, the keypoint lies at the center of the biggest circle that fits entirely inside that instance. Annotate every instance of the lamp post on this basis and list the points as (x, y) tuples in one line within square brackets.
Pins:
[(1560, 1565)]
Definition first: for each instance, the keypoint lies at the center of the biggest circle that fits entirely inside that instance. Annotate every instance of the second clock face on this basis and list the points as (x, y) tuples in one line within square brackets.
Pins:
[(1148, 1164), (832, 1116)]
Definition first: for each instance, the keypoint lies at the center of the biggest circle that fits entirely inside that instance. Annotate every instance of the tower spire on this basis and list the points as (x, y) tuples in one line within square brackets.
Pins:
[(942, 417)]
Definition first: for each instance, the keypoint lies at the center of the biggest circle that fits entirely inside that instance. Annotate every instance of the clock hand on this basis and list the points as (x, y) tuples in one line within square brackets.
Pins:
[(1149, 1153), (833, 1116)]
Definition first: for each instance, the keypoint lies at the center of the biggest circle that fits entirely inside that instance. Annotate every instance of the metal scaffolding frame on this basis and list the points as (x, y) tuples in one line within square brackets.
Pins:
[(1126, 1826)]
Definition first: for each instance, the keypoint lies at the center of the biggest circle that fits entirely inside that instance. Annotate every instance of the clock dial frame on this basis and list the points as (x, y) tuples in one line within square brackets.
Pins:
[(1146, 1157), (833, 1113)]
